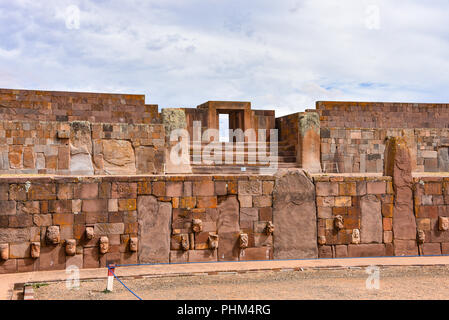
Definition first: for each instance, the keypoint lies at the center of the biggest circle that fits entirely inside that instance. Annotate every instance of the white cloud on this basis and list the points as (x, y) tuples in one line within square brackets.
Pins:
[(281, 55)]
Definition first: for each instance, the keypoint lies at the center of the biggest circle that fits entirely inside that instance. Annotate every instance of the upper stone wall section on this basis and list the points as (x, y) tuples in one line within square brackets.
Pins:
[(75, 106), (335, 114)]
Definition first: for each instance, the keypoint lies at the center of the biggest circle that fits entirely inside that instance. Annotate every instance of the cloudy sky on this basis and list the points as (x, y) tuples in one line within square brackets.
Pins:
[(282, 55)]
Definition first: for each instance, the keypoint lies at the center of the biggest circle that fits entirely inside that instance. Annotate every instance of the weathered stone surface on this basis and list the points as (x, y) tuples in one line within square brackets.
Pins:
[(197, 225), (405, 247), (53, 235), (81, 148), (269, 229), (228, 215), (4, 251), (185, 243), (104, 245), (294, 214), (19, 250), (371, 219), (309, 129), (119, 157), (366, 250), (70, 247), (52, 258), (243, 241), (133, 244), (398, 165), (146, 161), (338, 222), (355, 236), (35, 250), (102, 229), (89, 233), (443, 223), (250, 188), (14, 234), (213, 241), (7, 207), (154, 229)]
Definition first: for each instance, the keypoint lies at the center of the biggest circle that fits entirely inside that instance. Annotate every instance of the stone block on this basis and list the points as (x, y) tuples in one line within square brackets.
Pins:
[(376, 187), (250, 187), (245, 201), (202, 255), (203, 188), (96, 205), (174, 189), (255, 254), (366, 250), (431, 249), (262, 201)]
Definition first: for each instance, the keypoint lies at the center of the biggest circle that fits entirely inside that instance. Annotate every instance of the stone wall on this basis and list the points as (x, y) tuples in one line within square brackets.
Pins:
[(75, 106), (45, 147), (354, 216), (346, 150), (56, 216), (432, 213), (49, 223), (382, 115)]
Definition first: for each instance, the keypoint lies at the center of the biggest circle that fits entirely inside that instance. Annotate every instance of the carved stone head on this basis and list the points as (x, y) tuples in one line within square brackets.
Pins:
[(322, 240), (338, 222), (185, 242), (35, 249), (213, 241), (243, 240), (104, 245), (70, 247), (4, 251), (89, 233), (52, 235), (197, 225), (269, 229), (355, 236), (443, 223), (133, 244), (421, 236)]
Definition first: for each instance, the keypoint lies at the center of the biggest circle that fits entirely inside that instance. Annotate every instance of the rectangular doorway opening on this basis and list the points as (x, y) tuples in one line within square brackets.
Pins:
[(223, 125)]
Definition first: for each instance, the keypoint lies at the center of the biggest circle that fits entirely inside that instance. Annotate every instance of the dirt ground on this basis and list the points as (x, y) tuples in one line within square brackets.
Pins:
[(430, 282)]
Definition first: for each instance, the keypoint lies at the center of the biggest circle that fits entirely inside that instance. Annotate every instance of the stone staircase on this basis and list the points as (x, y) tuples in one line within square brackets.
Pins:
[(248, 152)]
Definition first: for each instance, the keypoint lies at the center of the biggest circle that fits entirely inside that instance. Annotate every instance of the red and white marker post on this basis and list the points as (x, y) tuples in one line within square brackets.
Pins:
[(111, 270)]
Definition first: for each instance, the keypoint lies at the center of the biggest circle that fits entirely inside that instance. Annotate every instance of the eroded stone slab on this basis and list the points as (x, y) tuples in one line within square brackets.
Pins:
[(154, 230), (371, 219), (294, 215)]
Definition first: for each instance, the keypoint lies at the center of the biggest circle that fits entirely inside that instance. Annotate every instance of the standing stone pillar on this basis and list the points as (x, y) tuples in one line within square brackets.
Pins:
[(177, 154), (309, 142), (294, 215), (399, 166)]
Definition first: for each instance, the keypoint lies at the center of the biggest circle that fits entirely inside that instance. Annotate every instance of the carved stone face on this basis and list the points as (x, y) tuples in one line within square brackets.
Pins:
[(269, 229), (243, 240), (89, 233), (356, 236), (338, 222), (185, 242), (53, 236), (4, 251), (213, 241), (321, 240), (197, 225), (35, 249), (133, 244), (70, 247), (104, 245), (443, 223), (421, 236)]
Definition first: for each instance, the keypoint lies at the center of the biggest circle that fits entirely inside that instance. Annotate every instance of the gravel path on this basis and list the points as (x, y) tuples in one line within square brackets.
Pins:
[(430, 282)]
